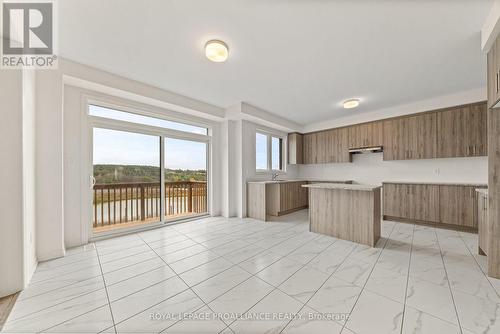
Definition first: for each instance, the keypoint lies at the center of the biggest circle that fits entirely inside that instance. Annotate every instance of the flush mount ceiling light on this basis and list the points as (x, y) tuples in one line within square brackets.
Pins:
[(351, 103), (216, 51)]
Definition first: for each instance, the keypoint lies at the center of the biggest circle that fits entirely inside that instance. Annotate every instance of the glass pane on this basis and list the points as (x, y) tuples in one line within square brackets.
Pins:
[(127, 179), (185, 178), (145, 120), (260, 151), (276, 153)]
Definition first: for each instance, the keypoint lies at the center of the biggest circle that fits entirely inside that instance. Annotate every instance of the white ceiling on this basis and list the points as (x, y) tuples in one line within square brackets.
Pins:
[(297, 59)]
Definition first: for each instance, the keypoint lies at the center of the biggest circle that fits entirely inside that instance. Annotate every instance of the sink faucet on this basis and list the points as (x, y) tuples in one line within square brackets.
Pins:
[(275, 176)]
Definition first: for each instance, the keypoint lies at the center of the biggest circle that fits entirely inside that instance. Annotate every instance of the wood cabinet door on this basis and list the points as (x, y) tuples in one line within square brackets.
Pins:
[(356, 137), (292, 196), (320, 147), (331, 146), (376, 134), (342, 145), (452, 132), (307, 146), (477, 130), (463, 132), (421, 136), (295, 153), (396, 200), (492, 76), (457, 206), (424, 202), (395, 142)]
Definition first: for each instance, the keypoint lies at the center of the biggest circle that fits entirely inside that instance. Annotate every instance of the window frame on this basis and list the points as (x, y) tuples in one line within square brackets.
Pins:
[(269, 135)]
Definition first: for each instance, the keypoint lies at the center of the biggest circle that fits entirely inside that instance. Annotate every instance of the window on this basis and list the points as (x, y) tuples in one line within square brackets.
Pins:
[(260, 151), (144, 120), (268, 152)]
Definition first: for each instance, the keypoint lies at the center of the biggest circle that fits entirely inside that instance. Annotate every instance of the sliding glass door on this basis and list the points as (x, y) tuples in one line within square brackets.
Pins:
[(126, 174), (145, 170), (185, 178)]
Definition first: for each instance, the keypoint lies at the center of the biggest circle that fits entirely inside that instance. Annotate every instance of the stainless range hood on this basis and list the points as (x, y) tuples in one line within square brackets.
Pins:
[(373, 149)]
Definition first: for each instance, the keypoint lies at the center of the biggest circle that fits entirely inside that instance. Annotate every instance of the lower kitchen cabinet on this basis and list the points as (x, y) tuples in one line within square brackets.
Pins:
[(445, 205), (458, 206), (282, 198)]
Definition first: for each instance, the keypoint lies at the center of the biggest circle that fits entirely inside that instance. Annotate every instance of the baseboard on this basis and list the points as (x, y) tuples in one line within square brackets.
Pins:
[(432, 224)]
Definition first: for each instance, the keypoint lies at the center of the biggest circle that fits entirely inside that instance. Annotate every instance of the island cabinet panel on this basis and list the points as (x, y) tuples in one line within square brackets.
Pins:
[(463, 132), (366, 135), (458, 206), (346, 214), (295, 153)]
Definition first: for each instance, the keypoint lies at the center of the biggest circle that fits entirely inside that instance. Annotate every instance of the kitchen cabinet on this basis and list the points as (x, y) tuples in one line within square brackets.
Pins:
[(309, 143), (412, 201), (413, 137), (482, 222), (337, 147), (450, 205), (458, 206), (295, 152), (463, 132), (366, 135), (493, 73)]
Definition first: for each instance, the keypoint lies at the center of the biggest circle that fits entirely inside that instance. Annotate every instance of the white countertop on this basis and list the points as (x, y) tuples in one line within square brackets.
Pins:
[(289, 181), (465, 184), (342, 186)]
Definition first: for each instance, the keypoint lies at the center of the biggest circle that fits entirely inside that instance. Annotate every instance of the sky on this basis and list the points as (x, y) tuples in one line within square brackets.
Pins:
[(126, 148)]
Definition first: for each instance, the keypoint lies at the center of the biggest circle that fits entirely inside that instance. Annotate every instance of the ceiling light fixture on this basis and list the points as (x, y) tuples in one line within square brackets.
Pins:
[(351, 103), (216, 51)]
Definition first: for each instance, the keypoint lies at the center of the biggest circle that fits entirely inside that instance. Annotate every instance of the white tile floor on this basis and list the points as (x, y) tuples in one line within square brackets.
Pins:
[(219, 275)]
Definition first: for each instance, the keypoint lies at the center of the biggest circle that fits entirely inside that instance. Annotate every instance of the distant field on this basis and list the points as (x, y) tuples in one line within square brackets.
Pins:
[(135, 173)]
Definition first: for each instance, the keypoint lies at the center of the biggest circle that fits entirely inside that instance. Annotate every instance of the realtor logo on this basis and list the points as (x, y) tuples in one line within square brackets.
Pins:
[(28, 35)]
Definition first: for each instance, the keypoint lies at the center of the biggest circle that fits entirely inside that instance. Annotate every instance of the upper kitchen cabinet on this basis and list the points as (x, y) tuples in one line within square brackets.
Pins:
[(337, 145), (366, 135), (409, 138), (494, 74), (463, 131), (295, 155)]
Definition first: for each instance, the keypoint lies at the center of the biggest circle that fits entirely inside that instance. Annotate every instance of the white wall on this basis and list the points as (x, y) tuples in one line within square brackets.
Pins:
[(17, 169), (29, 170), (49, 165), (370, 169), (11, 181)]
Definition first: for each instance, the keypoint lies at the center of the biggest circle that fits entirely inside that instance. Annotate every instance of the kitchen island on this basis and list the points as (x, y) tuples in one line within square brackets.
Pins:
[(345, 211)]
